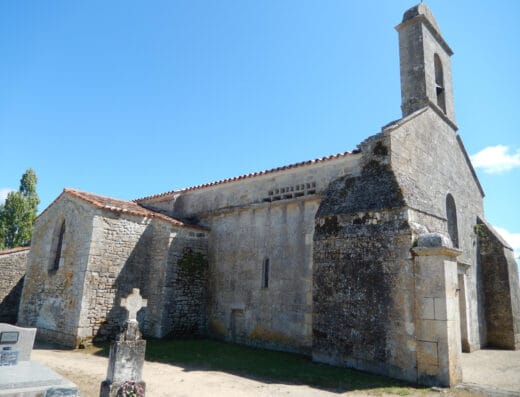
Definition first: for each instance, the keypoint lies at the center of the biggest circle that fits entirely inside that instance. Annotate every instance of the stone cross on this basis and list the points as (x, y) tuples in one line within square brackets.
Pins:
[(133, 303), (125, 363)]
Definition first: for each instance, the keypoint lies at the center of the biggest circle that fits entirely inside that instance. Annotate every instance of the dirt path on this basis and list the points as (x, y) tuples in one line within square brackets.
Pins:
[(163, 380), (493, 369)]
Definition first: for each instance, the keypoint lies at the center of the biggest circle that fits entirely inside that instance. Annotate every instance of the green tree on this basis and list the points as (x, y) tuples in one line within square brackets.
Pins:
[(18, 213)]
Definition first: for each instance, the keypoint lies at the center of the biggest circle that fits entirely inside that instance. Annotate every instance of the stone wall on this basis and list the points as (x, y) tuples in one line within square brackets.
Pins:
[(52, 299), (132, 252), (104, 254), (119, 251), (306, 179), (185, 287), (12, 271), (500, 289), (242, 308), (265, 216), (438, 340), (430, 163), (363, 273)]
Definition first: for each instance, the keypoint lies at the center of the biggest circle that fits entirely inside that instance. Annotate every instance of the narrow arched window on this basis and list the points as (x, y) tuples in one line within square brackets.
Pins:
[(265, 273), (57, 248), (451, 216), (439, 83)]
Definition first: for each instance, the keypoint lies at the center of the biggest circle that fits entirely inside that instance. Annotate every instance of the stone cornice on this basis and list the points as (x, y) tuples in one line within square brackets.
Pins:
[(437, 251)]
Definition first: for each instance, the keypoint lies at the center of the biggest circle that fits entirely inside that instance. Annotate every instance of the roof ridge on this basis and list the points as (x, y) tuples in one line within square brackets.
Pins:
[(118, 205), (250, 175)]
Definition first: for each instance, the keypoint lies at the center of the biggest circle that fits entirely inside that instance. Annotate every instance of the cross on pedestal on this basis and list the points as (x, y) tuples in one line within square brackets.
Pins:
[(126, 360), (133, 303)]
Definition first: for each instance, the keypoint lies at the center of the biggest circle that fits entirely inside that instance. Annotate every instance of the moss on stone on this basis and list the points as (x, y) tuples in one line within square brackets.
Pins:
[(330, 225), (380, 149), (193, 262), (267, 335), (217, 327)]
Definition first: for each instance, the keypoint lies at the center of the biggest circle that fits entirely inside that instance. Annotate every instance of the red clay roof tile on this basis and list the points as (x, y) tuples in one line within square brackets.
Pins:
[(122, 206), (251, 175)]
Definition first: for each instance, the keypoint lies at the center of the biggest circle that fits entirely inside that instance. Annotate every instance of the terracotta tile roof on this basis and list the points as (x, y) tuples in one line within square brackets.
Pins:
[(251, 175), (13, 250), (121, 206)]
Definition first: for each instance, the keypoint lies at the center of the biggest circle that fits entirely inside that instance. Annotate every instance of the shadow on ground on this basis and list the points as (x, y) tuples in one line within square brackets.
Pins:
[(264, 365)]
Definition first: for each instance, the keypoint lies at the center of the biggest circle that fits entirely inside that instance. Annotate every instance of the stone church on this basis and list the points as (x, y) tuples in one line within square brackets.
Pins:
[(378, 259)]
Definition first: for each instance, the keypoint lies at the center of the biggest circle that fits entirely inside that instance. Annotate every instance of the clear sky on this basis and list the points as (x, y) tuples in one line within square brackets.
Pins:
[(132, 98)]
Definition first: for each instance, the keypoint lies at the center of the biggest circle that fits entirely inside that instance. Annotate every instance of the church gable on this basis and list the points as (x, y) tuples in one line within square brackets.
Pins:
[(53, 288), (429, 158)]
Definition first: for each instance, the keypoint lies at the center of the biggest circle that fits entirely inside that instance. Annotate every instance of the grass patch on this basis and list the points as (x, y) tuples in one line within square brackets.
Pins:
[(266, 365)]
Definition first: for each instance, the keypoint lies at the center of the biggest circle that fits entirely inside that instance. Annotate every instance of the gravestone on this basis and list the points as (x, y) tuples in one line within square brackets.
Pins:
[(125, 366), (19, 376), (17, 339)]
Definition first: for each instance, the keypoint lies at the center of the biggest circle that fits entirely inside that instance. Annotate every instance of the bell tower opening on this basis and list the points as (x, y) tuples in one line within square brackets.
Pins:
[(439, 82)]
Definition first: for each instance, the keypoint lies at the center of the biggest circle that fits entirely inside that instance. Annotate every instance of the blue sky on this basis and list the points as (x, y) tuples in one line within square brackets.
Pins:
[(129, 99)]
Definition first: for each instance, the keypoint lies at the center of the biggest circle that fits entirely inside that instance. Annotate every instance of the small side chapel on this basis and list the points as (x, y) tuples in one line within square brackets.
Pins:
[(378, 259)]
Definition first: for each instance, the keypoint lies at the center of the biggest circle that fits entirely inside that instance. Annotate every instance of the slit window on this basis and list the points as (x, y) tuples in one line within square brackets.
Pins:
[(451, 215), (58, 246), (265, 273)]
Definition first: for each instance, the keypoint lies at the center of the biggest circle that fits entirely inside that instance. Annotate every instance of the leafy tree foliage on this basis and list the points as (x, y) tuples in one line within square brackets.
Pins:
[(18, 213)]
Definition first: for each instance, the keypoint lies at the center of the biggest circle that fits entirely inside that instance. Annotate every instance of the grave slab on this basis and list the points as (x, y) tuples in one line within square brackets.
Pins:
[(25, 378), (32, 379)]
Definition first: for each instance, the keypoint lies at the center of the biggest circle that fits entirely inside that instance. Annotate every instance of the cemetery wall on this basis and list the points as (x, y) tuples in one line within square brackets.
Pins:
[(12, 271)]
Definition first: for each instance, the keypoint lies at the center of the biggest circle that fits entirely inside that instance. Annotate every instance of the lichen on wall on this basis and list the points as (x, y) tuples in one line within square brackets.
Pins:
[(185, 288), (130, 252), (363, 277)]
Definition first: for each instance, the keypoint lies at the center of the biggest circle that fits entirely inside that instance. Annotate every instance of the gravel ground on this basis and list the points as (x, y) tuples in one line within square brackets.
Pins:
[(493, 370), (500, 372), (164, 380)]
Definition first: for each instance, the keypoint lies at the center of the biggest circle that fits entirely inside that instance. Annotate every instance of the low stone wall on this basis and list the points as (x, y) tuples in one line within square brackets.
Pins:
[(12, 271)]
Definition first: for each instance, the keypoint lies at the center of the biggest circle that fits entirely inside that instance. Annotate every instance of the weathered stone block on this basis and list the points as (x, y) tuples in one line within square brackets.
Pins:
[(441, 309), (427, 353), (427, 308)]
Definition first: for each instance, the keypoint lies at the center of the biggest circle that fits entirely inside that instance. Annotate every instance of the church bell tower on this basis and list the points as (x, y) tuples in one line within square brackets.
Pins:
[(425, 65)]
